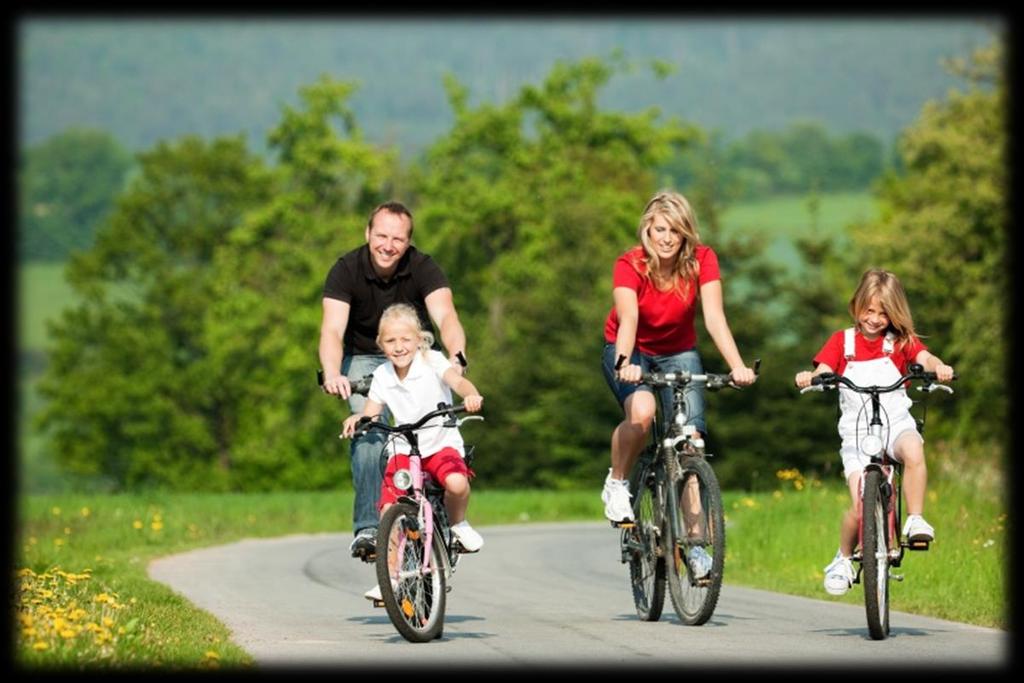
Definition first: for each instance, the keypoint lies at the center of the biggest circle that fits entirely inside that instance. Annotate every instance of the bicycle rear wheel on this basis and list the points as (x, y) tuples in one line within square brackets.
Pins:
[(640, 545), (414, 598), (701, 525), (876, 554)]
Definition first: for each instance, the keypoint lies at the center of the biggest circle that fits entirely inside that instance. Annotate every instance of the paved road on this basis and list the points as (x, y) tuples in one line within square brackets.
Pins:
[(541, 595)]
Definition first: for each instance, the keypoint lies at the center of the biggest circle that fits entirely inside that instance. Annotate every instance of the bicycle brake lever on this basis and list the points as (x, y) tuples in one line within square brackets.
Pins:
[(813, 387), (460, 420)]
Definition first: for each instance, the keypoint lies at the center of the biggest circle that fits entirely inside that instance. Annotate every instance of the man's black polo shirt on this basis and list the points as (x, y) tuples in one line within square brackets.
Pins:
[(353, 280)]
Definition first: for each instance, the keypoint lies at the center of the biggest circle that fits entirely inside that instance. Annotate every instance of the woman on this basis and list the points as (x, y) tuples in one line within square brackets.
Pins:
[(656, 287)]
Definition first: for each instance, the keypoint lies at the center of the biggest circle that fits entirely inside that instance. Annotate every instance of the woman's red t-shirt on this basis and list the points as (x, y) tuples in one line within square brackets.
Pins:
[(665, 322)]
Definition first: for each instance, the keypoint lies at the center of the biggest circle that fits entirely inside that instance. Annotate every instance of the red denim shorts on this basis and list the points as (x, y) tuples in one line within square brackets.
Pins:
[(439, 465)]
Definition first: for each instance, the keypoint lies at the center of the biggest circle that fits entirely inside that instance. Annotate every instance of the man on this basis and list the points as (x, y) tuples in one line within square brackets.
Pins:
[(360, 285)]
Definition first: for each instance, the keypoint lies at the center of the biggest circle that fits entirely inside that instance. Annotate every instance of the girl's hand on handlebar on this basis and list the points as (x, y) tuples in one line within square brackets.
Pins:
[(943, 372), (348, 427), (473, 402), (803, 379)]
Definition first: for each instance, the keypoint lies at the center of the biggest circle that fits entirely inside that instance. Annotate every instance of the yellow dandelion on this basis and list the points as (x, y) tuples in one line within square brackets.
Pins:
[(108, 622), (210, 654), (777, 495), (68, 633), (85, 512), (137, 524), (40, 645), (55, 510), (58, 542), (157, 525)]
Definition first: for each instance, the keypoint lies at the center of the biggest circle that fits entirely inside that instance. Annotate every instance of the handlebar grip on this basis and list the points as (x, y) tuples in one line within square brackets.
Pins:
[(757, 366), (824, 378)]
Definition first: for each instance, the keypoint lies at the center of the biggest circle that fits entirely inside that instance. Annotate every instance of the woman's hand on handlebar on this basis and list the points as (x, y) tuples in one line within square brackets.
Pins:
[(803, 379), (630, 373), (473, 402), (743, 376)]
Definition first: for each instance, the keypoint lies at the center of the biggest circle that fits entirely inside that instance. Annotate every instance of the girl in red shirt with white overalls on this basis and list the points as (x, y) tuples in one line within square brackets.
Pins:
[(877, 351)]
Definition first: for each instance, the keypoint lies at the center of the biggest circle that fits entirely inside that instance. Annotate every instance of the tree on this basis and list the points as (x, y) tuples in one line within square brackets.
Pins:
[(129, 375), (527, 205), (945, 234), (67, 188)]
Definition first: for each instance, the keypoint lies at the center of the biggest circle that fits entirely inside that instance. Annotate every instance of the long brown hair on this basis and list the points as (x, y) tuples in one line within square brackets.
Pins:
[(682, 220)]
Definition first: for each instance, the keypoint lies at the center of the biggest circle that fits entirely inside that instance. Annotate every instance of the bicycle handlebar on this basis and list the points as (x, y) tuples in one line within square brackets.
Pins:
[(365, 424), (712, 380), (359, 386), (830, 380)]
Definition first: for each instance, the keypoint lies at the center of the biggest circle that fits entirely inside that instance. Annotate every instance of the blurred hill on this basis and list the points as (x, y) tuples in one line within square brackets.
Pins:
[(149, 78)]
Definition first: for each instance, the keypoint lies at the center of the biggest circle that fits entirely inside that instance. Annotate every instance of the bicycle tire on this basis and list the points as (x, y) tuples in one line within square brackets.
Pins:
[(875, 561), (416, 604), (694, 598), (641, 545)]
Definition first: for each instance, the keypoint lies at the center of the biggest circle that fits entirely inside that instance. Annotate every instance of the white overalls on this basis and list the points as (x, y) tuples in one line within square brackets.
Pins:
[(855, 408)]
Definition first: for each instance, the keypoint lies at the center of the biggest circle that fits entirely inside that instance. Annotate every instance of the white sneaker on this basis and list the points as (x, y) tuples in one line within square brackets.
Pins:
[(917, 529), (839, 575), (373, 593), (700, 561), (615, 496), (468, 536)]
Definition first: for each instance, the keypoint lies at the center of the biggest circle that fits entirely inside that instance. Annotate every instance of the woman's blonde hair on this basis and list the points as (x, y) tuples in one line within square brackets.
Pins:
[(682, 220), (886, 287), (406, 314)]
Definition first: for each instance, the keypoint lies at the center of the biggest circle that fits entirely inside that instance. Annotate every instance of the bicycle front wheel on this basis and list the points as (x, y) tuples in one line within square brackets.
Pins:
[(641, 545), (696, 542), (875, 547), (413, 594)]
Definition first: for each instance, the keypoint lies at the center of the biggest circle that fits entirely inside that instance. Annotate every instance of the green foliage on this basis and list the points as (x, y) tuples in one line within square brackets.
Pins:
[(67, 187), (944, 232), (129, 377), (527, 205), (801, 158)]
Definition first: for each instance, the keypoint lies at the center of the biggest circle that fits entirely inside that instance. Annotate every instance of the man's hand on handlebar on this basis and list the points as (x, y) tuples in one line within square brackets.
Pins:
[(337, 385)]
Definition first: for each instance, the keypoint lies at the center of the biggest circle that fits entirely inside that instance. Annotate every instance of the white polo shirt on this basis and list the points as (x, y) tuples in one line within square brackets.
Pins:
[(411, 398)]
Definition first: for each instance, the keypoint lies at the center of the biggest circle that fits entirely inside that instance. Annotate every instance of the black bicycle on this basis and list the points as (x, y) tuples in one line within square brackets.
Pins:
[(678, 536), (880, 541)]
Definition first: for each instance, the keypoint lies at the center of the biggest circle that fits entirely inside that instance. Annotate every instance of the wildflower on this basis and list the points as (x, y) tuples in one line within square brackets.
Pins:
[(137, 524), (157, 525), (56, 511), (85, 512)]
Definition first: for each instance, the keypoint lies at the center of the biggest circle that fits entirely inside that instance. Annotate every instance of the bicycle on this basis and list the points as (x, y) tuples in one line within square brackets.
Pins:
[(881, 544), (419, 551), (677, 508)]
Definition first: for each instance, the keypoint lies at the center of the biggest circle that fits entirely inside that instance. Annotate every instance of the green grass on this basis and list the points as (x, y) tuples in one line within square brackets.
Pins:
[(776, 541)]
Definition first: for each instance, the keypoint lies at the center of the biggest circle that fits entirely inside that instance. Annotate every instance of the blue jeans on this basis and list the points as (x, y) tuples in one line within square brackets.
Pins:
[(366, 450), (687, 360)]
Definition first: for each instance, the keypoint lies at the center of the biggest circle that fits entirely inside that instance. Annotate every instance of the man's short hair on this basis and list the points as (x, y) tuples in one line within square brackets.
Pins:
[(392, 207)]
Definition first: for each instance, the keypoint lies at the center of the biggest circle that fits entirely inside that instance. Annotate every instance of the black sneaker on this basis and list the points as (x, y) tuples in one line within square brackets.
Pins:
[(364, 545)]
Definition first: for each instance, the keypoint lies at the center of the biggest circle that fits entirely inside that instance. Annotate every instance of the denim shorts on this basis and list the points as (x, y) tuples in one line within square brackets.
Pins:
[(688, 361)]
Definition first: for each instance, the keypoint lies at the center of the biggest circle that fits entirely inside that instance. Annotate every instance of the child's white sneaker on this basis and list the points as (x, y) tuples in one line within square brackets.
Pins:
[(839, 575), (916, 529), (373, 593), (468, 536)]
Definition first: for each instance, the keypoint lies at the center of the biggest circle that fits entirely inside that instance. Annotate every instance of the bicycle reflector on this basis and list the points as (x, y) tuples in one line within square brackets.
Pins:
[(871, 445), (402, 479)]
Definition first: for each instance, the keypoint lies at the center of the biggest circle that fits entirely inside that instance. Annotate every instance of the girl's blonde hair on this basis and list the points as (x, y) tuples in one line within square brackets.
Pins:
[(891, 295), (405, 313), (682, 220)]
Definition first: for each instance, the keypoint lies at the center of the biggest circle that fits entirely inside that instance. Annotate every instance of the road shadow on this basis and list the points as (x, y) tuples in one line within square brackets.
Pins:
[(894, 632)]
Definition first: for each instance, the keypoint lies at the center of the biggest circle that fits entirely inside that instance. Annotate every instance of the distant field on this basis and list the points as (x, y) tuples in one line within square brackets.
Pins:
[(42, 294), (783, 219)]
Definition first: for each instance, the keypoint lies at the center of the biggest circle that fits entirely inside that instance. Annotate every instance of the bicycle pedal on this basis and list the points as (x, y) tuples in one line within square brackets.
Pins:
[(919, 543), (378, 603), (624, 524)]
